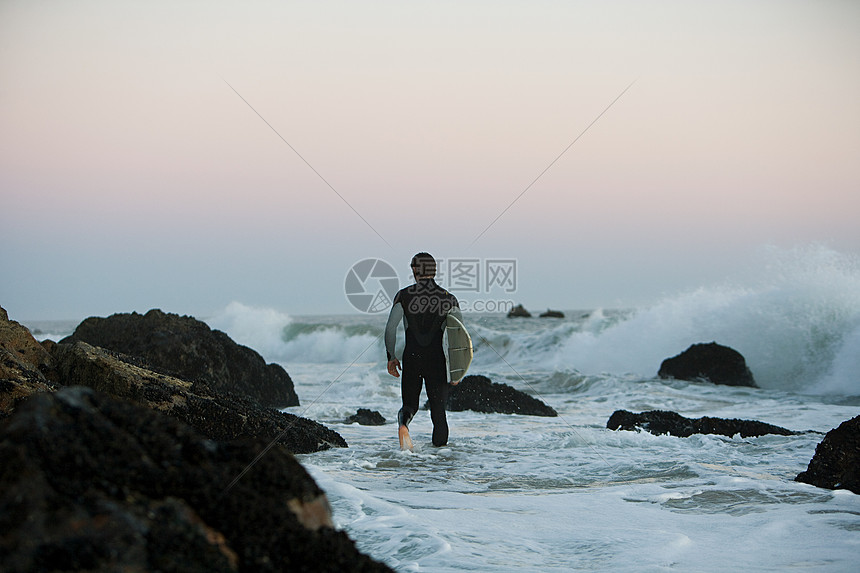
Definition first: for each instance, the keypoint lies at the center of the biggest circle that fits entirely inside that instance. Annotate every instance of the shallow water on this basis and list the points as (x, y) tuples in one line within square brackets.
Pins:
[(519, 493)]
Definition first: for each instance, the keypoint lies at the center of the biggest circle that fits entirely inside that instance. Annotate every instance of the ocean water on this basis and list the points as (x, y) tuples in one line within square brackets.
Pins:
[(520, 493), (531, 494)]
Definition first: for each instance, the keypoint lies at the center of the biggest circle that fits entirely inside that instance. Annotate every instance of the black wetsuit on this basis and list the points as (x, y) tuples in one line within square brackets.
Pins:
[(423, 308)]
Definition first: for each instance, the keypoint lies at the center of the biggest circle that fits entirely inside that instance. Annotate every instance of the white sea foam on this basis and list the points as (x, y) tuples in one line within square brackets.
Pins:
[(793, 325), (844, 374), (797, 326), (279, 337), (258, 328)]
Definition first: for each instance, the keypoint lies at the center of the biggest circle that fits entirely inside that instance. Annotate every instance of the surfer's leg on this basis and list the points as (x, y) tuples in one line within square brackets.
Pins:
[(404, 417), (437, 394), (410, 390)]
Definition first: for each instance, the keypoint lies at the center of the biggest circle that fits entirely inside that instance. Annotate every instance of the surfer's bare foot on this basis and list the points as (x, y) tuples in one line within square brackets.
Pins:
[(405, 440)]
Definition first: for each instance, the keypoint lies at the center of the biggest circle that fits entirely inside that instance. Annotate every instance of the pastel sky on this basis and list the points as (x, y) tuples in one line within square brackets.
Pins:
[(132, 176)]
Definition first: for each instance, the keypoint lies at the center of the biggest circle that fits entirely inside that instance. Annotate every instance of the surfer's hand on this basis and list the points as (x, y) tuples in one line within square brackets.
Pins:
[(455, 383), (394, 367)]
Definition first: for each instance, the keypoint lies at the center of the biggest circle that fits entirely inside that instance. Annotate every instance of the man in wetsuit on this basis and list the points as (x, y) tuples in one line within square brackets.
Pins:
[(422, 307)]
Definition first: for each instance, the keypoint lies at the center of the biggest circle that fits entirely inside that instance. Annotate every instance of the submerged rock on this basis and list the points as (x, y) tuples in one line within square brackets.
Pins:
[(217, 415), (836, 463), (710, 362), (552, 314), (366, 417), (191, 350), (478, 393), (519, 311), (663, 422), (89, 482)]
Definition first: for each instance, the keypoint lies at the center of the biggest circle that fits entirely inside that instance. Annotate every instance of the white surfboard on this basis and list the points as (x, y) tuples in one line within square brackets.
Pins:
[(458, 349)]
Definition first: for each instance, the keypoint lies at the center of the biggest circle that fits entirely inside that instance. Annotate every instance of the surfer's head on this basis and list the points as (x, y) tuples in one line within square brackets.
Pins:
[(423, 266)]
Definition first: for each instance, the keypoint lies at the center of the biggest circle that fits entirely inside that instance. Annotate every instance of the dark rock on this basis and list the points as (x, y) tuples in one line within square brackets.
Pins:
[(552, 314), (478, 393), (663, 422), (366, 417), (710, 362), (191, 350), (217, 415), (519, 311), (26, 367), (836, 463), (92, 483)]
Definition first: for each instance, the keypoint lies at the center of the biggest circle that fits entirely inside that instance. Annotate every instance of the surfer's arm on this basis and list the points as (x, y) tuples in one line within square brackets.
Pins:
[(394, 317)]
